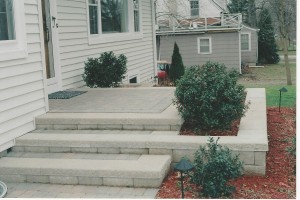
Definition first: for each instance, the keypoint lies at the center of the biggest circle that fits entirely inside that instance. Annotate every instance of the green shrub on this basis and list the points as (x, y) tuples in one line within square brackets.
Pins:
[(214, 167), (177, 68), (105, 71), (208, 97), (292, 150)]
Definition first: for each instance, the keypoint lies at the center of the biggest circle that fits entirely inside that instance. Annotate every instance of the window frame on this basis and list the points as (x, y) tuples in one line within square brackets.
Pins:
[(116, 37), (17, 48), (192, 9), (249, 41), (199, 43)]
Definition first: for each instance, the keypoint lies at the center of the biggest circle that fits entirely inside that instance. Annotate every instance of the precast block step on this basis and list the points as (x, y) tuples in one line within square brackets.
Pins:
[(147, 171)]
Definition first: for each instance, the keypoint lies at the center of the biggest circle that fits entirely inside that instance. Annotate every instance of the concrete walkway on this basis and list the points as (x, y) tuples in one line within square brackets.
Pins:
[(38, 190)]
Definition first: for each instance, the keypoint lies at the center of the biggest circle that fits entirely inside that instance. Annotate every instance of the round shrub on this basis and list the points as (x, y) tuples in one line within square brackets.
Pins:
[(105, 71), (214, 167), (208, 97)]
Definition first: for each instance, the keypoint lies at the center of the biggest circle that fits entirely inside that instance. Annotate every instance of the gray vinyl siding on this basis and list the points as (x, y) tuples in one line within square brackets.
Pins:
[(250, 56), (74, 44), (22, 94), (225, 49)]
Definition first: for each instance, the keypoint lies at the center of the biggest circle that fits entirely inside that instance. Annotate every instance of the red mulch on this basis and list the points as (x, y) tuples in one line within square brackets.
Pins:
[(187, 130), (279, 182)]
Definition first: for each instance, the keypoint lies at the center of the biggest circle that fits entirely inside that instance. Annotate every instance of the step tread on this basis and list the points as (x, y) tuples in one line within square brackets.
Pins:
[(147, 166)]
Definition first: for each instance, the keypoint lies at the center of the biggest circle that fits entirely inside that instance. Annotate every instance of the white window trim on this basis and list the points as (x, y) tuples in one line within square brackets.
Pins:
[(116, 37), (210, 46), (16, 49), (249, 36)]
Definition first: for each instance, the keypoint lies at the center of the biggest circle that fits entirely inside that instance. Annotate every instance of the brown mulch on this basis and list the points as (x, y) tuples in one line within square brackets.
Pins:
[(280, 179), (187, 130)]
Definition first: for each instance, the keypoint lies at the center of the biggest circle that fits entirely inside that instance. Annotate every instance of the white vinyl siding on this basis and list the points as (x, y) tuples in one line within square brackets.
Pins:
[(21, 84), (75, 46)]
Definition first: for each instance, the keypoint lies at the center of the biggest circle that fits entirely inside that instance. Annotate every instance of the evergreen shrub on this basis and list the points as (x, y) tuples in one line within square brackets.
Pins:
[(214, 167), (208, 97), (105, 71), (176, 70)]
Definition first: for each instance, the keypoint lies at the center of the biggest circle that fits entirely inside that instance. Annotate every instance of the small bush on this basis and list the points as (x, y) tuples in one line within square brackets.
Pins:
[(208, 97), (176, 70), (214, 167), (105, 71)]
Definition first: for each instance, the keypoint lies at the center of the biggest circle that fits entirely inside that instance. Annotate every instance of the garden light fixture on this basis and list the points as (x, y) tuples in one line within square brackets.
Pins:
[(183, 166), (280, 91)]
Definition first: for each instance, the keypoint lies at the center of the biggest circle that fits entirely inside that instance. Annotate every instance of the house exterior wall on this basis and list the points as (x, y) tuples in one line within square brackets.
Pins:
[(75, 47), (225, 49), (250, 57), (181, 8), (22, 94)]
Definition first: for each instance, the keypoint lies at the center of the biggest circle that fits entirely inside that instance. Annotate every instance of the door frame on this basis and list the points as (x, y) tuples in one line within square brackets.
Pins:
[(52, 84)]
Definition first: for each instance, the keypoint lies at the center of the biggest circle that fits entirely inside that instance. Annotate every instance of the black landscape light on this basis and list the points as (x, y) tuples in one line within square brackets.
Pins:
[(183, 166), (280, 91)]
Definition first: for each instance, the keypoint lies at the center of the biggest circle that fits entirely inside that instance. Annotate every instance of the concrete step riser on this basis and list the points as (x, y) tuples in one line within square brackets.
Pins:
[(106, 150), (144, 127)]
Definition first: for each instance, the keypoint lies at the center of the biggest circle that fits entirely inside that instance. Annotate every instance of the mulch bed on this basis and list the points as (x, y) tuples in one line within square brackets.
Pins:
[(280, 179)]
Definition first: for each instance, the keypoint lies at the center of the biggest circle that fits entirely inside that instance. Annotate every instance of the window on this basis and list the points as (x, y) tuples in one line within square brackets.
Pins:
[(194, 8), (13, 44), (93, 16), (114, 16), (204, 45), (7, 27), (108, 18), (136, 14), (245, 42)]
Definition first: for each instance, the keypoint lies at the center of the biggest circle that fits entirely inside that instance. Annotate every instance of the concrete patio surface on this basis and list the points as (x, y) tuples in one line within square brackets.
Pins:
[(115, 100)]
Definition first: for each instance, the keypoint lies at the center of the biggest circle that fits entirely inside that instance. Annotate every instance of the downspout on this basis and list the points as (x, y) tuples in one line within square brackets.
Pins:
[(240, 52), (154, 38)]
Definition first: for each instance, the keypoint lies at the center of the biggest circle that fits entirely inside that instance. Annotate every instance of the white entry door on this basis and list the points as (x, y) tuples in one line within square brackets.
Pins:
[(50, 27)]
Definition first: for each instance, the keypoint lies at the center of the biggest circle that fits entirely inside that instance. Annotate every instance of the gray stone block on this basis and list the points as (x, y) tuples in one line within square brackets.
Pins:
[(13, 178), (37, 179), (178, 154), (157, 127), (161, 152), (260, 158), (87, 126), (90, 181), (60, 149), (109, 150), (63, 180), (247, 157), (110, 126), (65, 127), (36, 149), (134, 151), (18, 149), (133, 127), (252, 170), (44, 126), (84, 149), (175, 127), (147, 183), (124, 182)]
